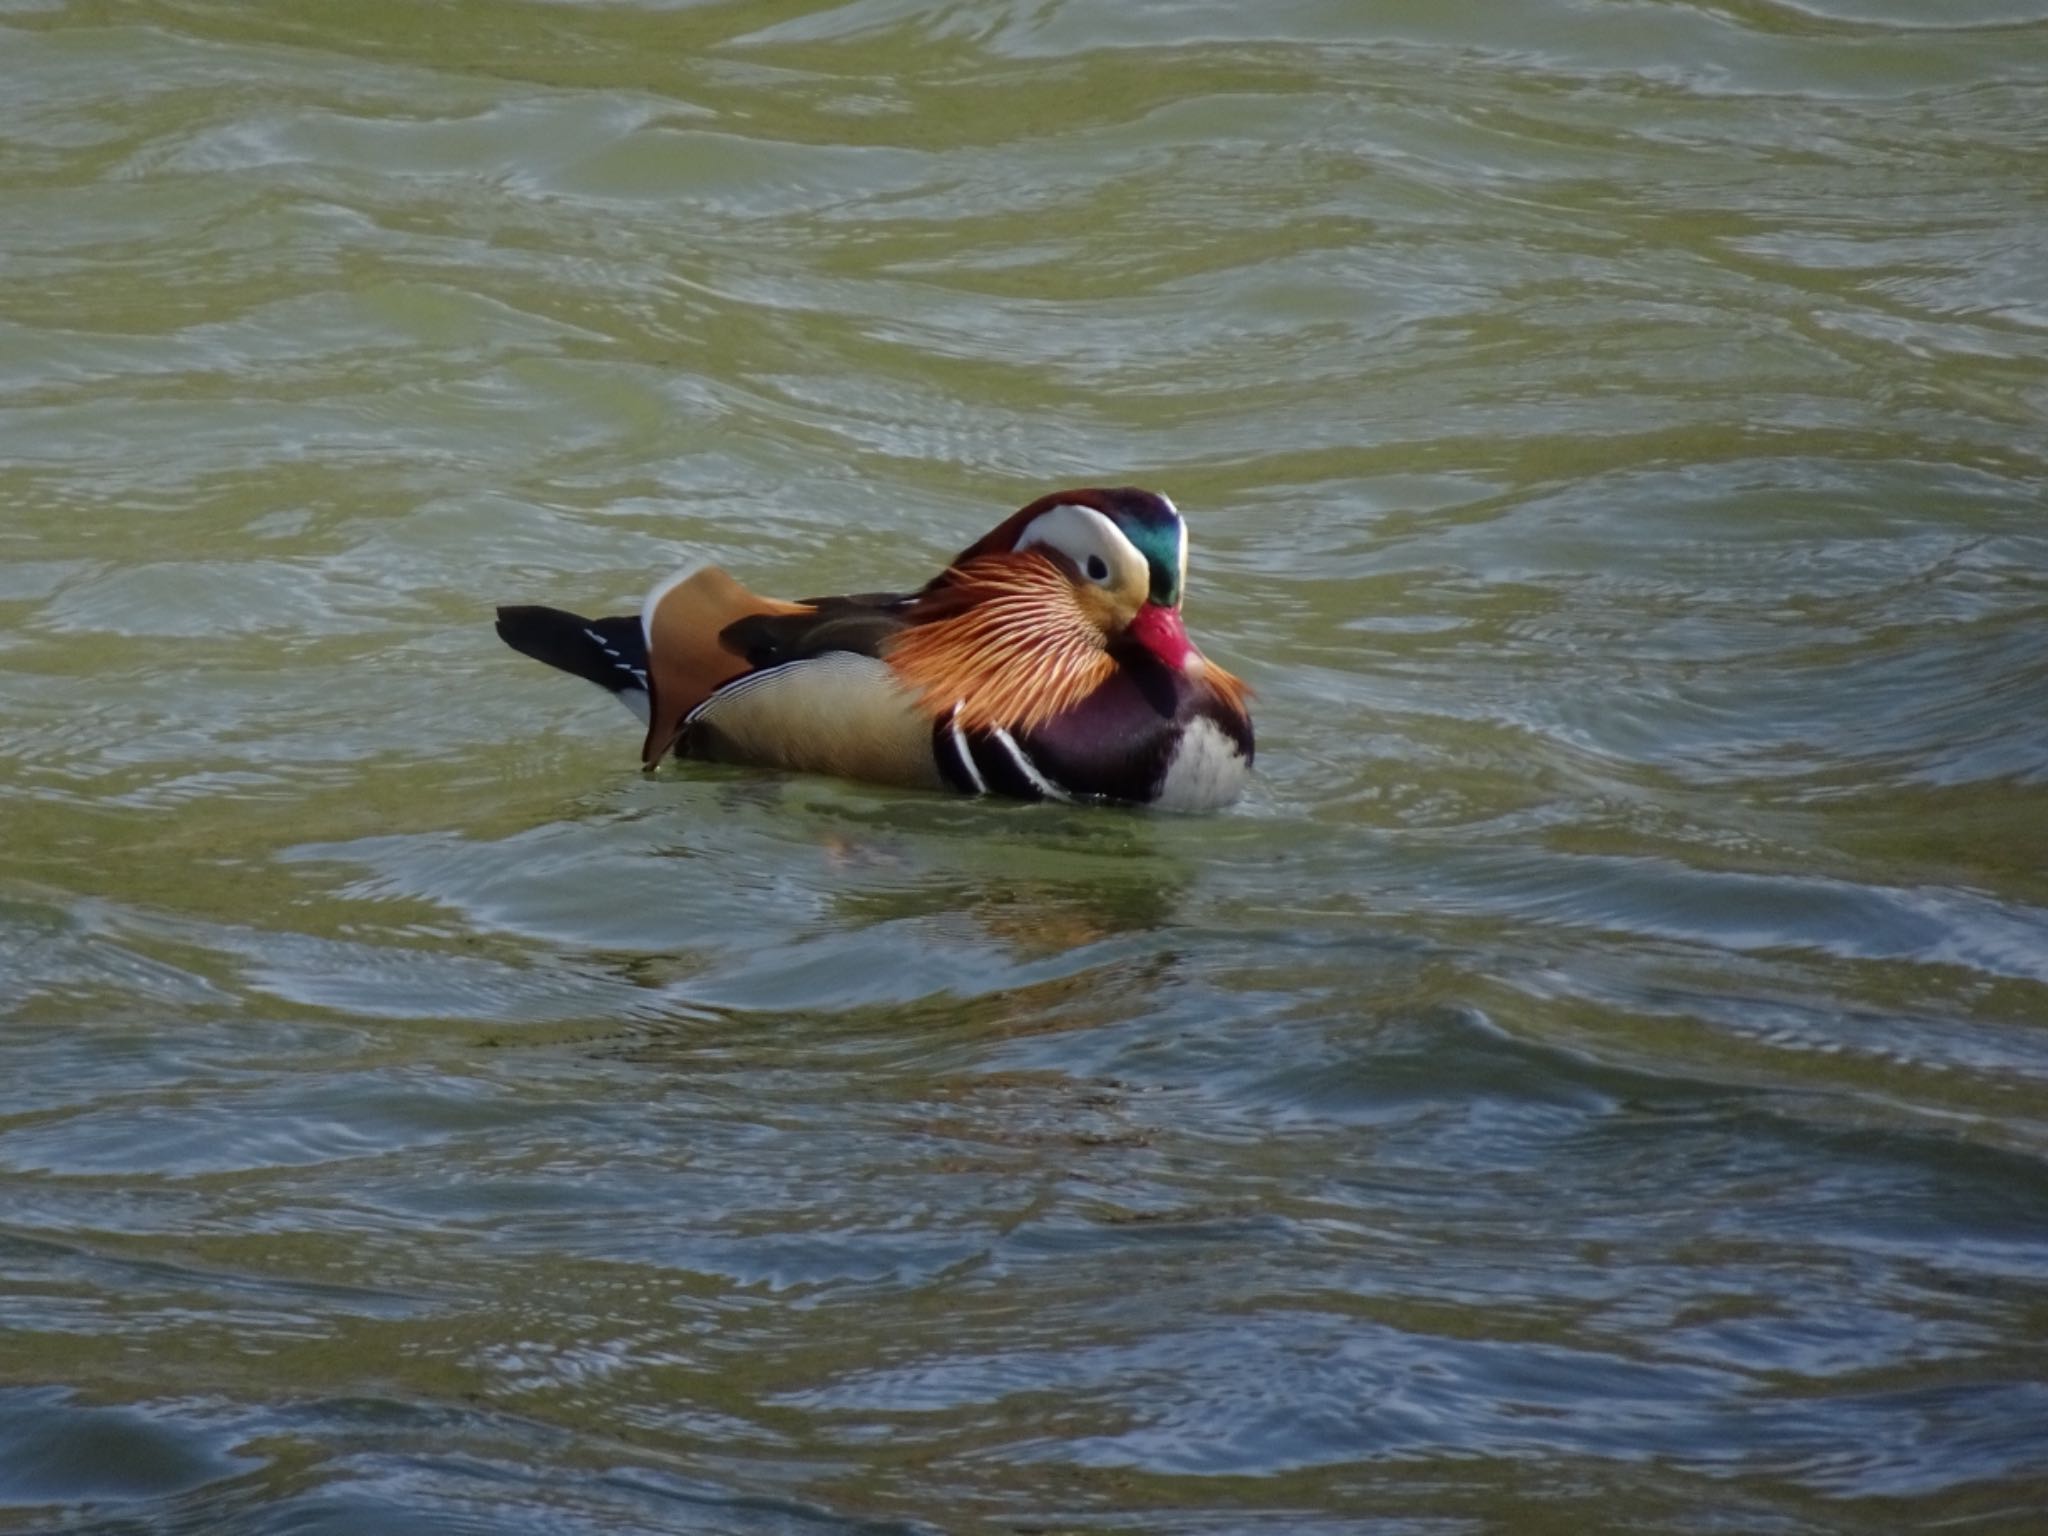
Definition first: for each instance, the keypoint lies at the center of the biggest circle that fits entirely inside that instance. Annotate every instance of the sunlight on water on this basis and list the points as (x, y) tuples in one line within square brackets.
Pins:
[(1597, 1078)]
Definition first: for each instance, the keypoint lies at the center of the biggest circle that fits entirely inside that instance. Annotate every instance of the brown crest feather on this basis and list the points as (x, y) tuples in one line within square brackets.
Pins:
[(1006, 638)]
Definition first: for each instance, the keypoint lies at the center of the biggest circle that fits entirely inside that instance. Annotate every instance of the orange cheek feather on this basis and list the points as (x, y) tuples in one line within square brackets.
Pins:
[(1007, 640)]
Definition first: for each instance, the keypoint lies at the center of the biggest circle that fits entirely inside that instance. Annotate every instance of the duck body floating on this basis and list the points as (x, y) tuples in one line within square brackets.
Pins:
[(1047, 662)]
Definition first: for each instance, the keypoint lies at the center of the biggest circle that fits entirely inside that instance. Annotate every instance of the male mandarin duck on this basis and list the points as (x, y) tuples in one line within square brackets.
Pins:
[(1047, 662)]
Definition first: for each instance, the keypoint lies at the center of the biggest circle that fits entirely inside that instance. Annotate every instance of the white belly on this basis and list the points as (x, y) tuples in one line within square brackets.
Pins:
[(1206, 771)]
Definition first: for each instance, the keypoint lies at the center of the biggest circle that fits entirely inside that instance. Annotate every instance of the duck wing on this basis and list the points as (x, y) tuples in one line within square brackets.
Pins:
[(861, 624)]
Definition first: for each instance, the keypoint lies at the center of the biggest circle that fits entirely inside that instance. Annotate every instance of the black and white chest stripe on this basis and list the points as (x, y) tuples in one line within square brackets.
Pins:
[(992, 762)]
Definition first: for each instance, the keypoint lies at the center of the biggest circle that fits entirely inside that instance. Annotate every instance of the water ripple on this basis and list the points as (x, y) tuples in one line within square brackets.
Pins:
[(1597, 1077)]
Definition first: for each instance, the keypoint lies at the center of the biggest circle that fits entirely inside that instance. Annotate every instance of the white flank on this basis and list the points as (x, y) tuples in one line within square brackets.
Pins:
[(838, 713)]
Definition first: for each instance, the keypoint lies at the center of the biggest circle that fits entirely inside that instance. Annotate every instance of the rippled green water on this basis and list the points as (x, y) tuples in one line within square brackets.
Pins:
[(1598, 1080)]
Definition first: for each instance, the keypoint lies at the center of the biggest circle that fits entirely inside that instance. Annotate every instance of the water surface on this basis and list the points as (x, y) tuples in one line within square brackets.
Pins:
[(1597, 1080)]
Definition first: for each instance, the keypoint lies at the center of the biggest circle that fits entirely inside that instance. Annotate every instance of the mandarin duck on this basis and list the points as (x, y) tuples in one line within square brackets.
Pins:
[(1047, 662)]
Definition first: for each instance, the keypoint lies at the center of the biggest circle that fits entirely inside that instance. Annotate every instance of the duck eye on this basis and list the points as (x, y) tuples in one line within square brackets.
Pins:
[(1098, 568)]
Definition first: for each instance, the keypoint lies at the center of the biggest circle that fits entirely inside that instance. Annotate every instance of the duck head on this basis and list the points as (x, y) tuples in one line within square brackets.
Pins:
[(1028, 619)]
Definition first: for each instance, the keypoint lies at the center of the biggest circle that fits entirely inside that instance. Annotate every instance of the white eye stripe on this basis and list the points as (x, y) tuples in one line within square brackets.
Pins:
[(1086, 537)]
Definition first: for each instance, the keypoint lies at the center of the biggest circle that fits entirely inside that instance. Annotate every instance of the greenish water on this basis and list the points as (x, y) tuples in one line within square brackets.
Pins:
[(1599, 1078)]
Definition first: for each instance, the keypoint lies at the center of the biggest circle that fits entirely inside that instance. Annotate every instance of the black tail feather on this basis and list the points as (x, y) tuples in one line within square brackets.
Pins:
[(611, 653)]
